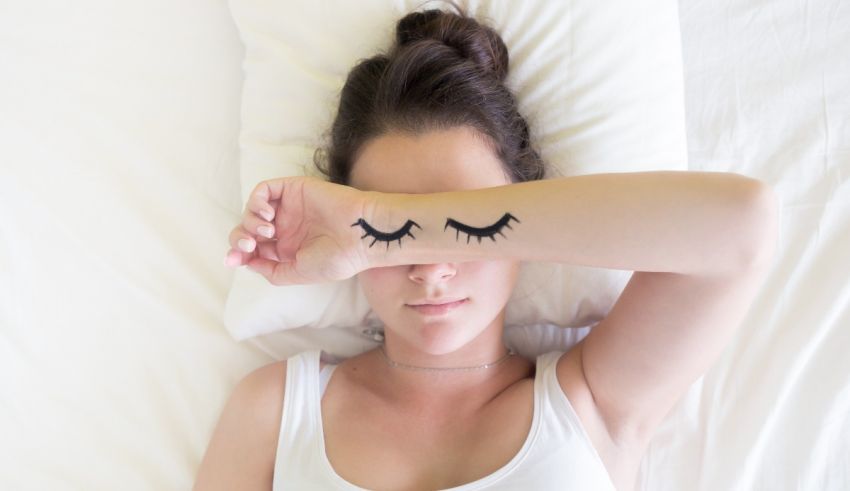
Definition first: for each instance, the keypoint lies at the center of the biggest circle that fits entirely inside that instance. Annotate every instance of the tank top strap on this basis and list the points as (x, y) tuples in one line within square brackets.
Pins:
[(545, 381), (297, 447), (562, 421), (302, 371), (324, 378)]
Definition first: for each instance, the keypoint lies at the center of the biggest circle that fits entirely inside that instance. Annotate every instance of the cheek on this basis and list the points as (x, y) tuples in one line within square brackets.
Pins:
[(498, 278), (376, 282)]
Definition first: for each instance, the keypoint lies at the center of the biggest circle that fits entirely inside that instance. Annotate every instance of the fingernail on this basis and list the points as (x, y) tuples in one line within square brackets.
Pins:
[(246, 245), (267, 215), (265, 231)]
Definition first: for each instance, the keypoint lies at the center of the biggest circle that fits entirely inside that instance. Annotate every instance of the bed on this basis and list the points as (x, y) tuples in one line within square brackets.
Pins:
[(119, 184)]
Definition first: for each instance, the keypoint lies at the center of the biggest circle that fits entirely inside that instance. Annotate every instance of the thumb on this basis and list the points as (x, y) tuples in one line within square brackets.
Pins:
[(278, 273)]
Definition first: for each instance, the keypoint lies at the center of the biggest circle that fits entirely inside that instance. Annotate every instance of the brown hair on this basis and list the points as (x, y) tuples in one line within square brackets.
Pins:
[(444, 70)]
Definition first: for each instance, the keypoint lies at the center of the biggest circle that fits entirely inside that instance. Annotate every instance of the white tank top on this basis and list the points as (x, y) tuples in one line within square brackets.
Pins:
[(556, 455)]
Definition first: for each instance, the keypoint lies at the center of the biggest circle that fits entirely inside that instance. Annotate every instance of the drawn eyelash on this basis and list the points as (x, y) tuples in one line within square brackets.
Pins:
[(490, 231), (385, 237)]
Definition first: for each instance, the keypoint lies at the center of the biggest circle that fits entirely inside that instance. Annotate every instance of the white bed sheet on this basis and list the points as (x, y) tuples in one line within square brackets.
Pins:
[(118, 186), (766, 95)]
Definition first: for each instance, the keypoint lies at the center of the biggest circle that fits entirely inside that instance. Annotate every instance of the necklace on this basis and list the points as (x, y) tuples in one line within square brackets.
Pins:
[(411, 367)]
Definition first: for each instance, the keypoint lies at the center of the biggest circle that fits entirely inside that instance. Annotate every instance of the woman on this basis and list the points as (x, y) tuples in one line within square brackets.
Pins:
[(435, 196)]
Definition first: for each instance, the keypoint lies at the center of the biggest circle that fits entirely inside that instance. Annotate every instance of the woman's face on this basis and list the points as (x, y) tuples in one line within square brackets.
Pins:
[(440, 160)]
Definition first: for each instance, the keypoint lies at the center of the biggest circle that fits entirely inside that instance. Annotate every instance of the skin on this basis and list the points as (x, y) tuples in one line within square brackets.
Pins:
[(440, 160), (677, 313)]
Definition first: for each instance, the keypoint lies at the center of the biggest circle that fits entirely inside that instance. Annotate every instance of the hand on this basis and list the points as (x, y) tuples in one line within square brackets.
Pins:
[(310, 238)]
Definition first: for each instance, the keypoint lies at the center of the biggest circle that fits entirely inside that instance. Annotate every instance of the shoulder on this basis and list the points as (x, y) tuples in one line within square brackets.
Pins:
[(243, 447), (257, 402), (259, 398), (265, 384)]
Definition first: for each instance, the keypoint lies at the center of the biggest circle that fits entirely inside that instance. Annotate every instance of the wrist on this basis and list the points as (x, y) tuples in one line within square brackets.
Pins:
[(408, 229), (383, 213)]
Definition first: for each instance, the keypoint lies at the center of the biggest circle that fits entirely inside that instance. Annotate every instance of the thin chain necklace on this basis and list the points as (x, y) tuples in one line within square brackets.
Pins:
[(411, 367)]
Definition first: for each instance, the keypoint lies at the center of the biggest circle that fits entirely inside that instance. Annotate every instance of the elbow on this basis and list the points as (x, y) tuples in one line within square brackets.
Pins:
[(763, 218)]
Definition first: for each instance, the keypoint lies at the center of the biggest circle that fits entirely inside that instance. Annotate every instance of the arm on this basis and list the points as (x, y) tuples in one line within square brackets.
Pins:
[(700, 244), (661, 221)]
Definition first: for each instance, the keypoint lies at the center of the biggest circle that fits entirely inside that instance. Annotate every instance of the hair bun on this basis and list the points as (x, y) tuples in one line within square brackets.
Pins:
[(473, 40)]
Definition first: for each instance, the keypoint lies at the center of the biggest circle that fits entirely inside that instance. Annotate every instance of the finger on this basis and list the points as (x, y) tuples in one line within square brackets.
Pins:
[(259, 229), (235, 258), (277, 273), (241, 240), (268, 250), (263, 194)]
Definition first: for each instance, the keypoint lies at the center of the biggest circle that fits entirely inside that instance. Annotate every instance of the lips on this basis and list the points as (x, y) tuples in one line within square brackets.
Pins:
[(435, 301), (438, 309)]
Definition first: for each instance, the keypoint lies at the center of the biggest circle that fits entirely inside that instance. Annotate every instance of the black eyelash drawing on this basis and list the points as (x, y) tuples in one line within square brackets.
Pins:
[(385, 237), (490, 231)]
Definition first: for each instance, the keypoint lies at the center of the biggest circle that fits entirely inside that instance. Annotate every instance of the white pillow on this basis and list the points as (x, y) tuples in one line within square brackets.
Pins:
[(601, 87)]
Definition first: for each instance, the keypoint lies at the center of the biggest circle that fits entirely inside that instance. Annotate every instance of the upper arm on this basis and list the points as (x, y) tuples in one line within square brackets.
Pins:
[(664, 332), (241, 453)]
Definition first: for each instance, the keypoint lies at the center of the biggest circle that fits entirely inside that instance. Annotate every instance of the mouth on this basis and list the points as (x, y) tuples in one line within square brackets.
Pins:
[(438, 309)]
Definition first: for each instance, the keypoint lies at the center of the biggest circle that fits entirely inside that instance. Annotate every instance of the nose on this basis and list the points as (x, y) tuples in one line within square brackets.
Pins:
[(431, 273)]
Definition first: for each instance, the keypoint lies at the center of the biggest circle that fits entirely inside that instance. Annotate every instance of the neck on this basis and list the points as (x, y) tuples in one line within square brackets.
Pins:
[(419, 387), (509, 352)]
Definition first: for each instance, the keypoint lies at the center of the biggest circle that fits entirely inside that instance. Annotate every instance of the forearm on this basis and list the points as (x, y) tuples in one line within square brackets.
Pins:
[(666, 221)]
